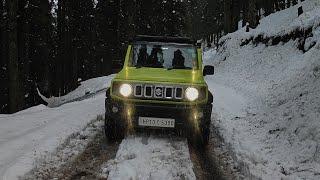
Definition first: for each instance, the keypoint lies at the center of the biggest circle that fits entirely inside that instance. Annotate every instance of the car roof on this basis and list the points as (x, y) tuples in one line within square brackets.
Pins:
[(180, 40)]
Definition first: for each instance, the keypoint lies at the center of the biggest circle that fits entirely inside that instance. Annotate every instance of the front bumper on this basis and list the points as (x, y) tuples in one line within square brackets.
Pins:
[(184, 115)]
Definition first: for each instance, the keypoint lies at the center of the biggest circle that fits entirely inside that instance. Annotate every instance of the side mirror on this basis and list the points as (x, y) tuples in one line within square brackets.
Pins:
[(208, 70)]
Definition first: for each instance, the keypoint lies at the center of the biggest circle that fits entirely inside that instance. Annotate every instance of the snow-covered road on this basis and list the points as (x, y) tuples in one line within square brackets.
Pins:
[(31, 137), (35, 132), (27, 137), (29, 134), (144, 158)]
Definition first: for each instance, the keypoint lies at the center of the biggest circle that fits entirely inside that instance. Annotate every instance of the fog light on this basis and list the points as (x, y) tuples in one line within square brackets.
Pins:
[(200, 114), (197, 115), (115, 109)]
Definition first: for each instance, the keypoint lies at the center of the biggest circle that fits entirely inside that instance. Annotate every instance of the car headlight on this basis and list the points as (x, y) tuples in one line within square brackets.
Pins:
[(192, 93), (125, 90)]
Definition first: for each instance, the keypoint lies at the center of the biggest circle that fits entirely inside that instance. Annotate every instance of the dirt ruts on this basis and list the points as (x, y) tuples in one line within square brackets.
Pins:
[(87, 164)]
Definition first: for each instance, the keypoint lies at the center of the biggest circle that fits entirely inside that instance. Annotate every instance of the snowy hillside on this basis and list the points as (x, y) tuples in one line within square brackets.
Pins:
[(267, 95)]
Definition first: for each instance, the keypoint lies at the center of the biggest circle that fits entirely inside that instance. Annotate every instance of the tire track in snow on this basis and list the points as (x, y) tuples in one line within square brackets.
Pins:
[(151, 157), (139, 156)]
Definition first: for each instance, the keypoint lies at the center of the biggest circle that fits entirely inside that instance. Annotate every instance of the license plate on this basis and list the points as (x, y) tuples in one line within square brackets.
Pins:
[(156, 122)]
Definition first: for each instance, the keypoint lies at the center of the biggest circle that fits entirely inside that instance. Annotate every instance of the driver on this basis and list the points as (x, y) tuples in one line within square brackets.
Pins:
[(178, 60)]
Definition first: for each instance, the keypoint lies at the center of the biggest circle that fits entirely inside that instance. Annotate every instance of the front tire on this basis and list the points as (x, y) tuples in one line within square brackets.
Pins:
[(114, 131), (201, 139)]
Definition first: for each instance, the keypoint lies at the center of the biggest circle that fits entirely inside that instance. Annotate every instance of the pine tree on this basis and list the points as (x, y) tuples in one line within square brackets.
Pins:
[(4, 99), (15, 95)]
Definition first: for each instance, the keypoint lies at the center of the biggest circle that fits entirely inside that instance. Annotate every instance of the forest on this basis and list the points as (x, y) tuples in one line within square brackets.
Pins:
[(54, 45)]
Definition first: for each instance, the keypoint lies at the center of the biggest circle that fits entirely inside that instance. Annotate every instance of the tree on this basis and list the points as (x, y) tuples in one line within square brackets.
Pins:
[(227, 16), (15, 98), (4, 99), (109, 46), (268, 7), (251, 14)]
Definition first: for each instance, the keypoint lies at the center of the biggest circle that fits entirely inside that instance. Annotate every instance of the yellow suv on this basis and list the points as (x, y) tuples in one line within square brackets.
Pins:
[(161, 86)]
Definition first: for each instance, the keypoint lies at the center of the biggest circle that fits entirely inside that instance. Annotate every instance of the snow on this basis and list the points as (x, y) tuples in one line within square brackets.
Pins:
[(54, 8), (151, 158), (33, 133), (46, 138), (283, 22), (86, 88), (95, 3), (267, 100), (266, 109)]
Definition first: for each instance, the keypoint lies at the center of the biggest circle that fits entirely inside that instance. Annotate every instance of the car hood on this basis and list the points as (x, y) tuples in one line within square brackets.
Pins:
[(161, 75)]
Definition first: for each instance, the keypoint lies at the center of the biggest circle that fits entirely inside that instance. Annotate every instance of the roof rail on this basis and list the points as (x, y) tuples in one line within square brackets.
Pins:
[(182, 40)]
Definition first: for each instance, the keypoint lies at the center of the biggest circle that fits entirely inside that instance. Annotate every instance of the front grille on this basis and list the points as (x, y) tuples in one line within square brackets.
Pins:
[(169, 93), (164, 92), (179, 93), (138, 91), (148, 91), (158, 92)]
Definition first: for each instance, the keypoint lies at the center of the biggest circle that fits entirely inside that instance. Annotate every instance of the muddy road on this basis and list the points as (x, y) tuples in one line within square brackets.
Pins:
[(89, 163)]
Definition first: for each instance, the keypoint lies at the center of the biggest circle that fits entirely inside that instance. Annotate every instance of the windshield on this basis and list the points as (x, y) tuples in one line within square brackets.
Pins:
[(164, 55)]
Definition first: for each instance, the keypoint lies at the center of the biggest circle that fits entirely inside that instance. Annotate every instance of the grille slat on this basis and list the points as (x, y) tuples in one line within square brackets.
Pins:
[(138, 91), (169, 93), (178, 93), (149, 91)]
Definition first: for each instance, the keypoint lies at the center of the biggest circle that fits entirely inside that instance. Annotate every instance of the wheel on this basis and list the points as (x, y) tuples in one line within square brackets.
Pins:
[(201, 138), (113, 129)]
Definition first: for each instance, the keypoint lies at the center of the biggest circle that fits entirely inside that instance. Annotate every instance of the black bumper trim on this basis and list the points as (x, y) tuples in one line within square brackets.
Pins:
[(181, 113)]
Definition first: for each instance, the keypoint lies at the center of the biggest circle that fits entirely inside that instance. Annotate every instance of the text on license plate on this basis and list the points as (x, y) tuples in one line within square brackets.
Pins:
[(156, 122)]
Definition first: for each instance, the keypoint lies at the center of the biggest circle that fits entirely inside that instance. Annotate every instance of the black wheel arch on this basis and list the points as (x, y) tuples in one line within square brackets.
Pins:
[(210, 97)]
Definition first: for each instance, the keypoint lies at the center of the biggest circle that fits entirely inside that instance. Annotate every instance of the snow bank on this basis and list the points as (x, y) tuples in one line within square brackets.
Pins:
[(33, 133), (85, 90), (208, 56), (151, 158), (267, 98)]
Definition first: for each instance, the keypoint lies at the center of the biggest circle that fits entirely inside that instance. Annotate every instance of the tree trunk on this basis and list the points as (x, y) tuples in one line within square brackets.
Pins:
[(252, 14), (15, 99), (3, 62), (227, 16), (268, 7), (235, 14)]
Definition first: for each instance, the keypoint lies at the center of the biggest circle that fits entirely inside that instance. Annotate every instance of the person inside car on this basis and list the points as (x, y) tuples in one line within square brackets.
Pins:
[(153, 60), (178, 60), (142, 56)]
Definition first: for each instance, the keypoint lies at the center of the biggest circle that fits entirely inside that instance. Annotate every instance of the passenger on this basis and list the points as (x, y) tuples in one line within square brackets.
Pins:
[(153, 60), (178, 60), (142, 56)]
